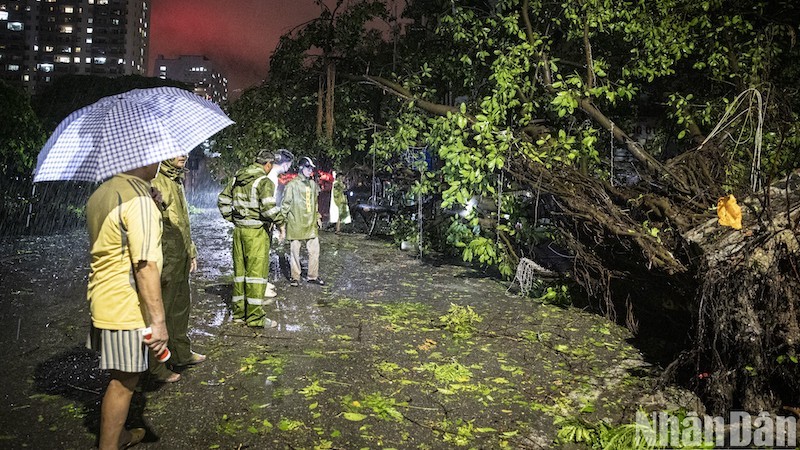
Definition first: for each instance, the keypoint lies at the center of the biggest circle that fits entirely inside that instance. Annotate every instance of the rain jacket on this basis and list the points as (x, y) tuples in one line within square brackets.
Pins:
[(340, 199), (178, 250), (299, 207), (249, 200), (176, 238)]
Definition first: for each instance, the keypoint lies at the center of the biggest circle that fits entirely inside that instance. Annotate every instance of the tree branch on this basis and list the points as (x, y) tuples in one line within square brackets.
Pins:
[(587, 46)]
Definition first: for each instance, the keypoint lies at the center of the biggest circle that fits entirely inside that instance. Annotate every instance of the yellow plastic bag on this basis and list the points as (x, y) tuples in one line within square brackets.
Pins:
[(729, 212)]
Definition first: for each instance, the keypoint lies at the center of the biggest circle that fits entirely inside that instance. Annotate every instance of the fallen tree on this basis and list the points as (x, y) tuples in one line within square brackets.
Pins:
[(535, 97), (650, 247)]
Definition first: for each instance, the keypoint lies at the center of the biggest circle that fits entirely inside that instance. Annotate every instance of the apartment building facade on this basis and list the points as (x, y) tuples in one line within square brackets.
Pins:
[(43, 39), (196, 70)]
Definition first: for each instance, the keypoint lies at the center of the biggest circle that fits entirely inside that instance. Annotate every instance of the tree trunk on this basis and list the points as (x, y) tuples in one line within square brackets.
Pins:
[(329, 105), (320, 101)]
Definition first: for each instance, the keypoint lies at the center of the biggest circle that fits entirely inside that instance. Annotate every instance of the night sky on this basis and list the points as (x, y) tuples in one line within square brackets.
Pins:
[(238, 36)]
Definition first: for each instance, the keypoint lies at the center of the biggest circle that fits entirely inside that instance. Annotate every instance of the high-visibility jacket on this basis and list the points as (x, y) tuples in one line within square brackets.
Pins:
[(249, 199), (299, 207)]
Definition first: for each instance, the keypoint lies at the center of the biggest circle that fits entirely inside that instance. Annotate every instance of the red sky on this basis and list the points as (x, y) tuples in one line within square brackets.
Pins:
[(238, 36)]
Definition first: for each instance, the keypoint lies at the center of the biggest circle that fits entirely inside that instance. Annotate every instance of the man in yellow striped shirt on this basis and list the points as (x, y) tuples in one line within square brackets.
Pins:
[(124, 292)]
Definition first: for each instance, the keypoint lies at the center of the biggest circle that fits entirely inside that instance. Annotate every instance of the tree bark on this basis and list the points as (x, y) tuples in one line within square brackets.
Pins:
[(320, 101), (329, 103)]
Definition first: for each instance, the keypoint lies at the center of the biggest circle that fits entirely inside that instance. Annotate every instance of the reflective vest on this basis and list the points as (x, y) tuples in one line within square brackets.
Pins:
[(249, 199)]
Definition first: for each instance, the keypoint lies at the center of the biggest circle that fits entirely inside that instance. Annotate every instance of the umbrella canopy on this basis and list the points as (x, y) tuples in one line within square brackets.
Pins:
[(126, 131)]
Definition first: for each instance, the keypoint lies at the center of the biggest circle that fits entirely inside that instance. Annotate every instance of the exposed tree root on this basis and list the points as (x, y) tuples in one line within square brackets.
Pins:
[(748, 329)]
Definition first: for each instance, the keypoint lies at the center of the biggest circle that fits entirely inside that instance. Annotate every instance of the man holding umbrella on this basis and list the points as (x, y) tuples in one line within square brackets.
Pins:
[(125, 236), (122, 139)]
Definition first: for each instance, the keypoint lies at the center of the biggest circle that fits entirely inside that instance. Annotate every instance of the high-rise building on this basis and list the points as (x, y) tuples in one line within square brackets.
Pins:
[(42, 39), (195, 70)]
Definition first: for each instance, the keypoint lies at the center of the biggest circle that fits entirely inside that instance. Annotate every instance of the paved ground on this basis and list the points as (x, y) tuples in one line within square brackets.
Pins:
[(394, 352)]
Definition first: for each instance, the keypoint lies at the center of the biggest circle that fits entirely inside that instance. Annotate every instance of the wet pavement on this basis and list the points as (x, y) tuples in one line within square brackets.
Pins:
[(393, 352)]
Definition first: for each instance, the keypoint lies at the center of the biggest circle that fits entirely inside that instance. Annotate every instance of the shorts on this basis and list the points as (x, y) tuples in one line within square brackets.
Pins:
[(122, 350)]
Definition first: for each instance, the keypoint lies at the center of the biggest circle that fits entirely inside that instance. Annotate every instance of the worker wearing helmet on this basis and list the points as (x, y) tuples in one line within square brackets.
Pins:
[(299, 207), (249, 202)]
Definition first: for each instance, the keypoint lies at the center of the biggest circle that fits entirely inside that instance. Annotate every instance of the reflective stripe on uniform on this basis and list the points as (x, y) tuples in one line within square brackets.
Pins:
[(252, 301), (254, 190), (249, 223), (245, 204), (238, 279), (273, 211), (266, 200), (254, 280), (237, 298)]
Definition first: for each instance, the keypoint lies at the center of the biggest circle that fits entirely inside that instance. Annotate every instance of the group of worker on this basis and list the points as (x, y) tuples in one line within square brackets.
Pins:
[(142, 255), (258, 208)]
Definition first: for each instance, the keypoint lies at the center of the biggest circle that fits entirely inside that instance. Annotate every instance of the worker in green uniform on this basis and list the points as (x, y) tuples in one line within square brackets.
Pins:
[(339, 203), (299, 207), (180, 258), (249, 202)]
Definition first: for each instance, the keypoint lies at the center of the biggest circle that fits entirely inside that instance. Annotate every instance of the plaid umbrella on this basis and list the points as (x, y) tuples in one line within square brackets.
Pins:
[(125, 131)]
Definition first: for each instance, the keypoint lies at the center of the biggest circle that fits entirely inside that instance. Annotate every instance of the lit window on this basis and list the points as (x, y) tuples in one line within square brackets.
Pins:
[(88, 40), (163, 68), (121, 61), (91, 2), (77, 49), (13, 67), (47, 79), (3, 15), (88, 60), (62, 59), (15, 26), (102, 2), (68, 9), (35, 48), (99, 59), (26, 77), (115, 21), (89, 30), (90, 20), (48, 48), (66, 28), (66, 49), (77, 60)]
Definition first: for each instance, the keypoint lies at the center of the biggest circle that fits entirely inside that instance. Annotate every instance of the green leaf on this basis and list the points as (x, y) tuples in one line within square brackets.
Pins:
[(355, 417)]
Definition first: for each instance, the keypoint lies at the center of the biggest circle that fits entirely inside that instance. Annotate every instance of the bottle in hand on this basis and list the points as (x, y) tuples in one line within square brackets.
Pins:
[(164, 355)]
